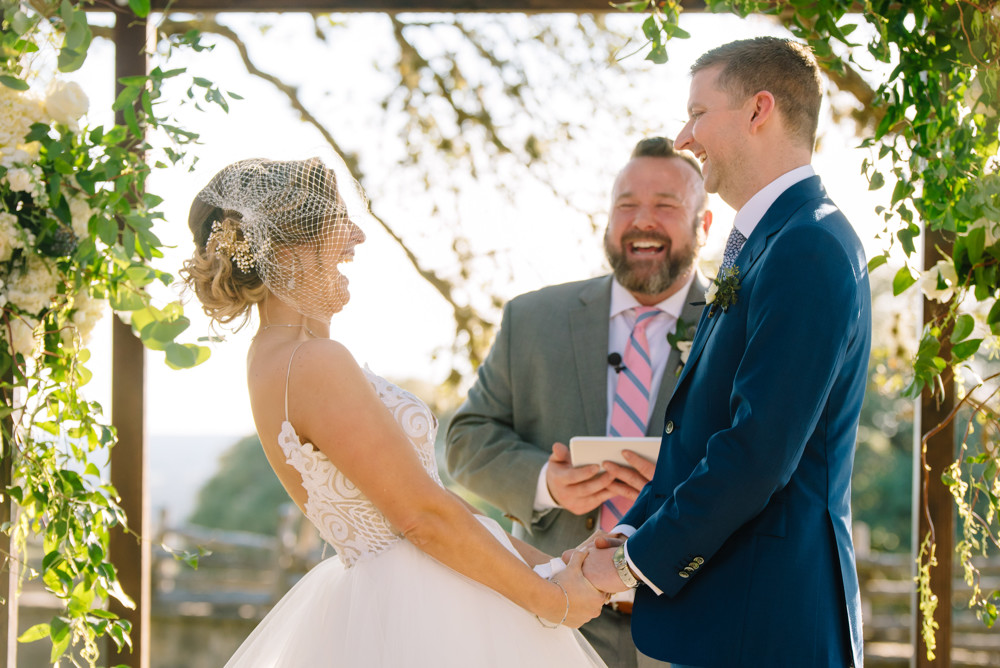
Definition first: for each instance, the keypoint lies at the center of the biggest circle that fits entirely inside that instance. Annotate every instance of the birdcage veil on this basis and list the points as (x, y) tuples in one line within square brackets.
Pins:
[(291, 227)]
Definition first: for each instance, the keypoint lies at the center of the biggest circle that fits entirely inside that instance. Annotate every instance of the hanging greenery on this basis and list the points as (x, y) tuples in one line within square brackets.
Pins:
[(935, 126), (76, 238)]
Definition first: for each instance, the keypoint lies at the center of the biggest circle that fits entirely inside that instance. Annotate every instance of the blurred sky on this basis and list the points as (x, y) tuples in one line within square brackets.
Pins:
[(395, 322)]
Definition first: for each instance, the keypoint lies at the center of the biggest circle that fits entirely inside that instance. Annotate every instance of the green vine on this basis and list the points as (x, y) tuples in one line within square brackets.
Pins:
[(928, 600), (76, 238)]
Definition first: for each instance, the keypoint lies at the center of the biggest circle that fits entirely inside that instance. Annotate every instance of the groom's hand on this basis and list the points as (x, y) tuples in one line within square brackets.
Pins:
[(578, 489), (600, 570), (599, 539), (629, 480)]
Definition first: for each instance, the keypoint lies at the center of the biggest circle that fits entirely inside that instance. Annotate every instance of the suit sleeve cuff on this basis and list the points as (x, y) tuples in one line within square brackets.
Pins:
[(635, 569)]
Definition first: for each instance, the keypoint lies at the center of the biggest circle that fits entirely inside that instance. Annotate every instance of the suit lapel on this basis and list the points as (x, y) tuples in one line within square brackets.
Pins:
[(589, 331), (774, 219), (689, 314)]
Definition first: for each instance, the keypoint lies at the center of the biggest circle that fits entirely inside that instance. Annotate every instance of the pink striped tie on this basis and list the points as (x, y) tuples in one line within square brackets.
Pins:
[(630, 410)]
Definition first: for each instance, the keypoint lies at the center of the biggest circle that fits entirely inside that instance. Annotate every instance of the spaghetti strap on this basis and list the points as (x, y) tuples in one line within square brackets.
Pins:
[(288, 374)]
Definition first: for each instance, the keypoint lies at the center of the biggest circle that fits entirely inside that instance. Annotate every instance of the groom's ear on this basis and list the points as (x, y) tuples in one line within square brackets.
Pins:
[(762, 108)]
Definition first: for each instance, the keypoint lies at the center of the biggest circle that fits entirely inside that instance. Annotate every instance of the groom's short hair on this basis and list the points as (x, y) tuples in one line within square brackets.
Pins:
[(783, 67)]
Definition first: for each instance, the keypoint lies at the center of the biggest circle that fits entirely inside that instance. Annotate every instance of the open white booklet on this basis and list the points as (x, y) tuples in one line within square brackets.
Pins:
[(598, 449)]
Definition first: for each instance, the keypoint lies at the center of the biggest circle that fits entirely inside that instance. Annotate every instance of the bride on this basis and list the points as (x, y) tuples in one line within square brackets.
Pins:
[(419, 579)]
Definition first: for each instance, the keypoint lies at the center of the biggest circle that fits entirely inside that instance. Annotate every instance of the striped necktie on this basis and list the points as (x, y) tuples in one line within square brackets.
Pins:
[(630, 410)]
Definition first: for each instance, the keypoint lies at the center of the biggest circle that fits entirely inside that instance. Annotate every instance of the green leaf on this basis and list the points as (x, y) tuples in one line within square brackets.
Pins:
[(993, 319), (964, 325), (876, 262), (36, 632), (13, 82), (185, 356), (903, 280), (965, 349), (140, 7), (876, 181)]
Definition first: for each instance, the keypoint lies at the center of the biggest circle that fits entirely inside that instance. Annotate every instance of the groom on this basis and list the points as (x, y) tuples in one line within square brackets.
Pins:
[(740, 547)]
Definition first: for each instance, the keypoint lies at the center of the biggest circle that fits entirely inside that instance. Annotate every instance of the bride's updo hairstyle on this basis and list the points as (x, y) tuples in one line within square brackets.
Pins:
[(264, 225)]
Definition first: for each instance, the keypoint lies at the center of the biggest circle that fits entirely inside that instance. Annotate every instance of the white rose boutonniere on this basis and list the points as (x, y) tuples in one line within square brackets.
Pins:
[(713, 289), (681, 340)]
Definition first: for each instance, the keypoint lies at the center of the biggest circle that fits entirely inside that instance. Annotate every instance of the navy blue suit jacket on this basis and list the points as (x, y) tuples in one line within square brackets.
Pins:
[(746, 525)]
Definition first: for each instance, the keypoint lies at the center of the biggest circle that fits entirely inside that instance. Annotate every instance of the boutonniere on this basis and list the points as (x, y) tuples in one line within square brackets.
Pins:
[(723, 291), (681, 340)]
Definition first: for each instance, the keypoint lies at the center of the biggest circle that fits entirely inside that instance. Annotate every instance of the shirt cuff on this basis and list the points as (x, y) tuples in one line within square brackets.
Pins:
[(635, 569), (543, 500), (626, 530)]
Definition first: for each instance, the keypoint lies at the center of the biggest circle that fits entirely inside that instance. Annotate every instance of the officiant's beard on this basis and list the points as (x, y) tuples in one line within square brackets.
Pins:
[(650, 277)]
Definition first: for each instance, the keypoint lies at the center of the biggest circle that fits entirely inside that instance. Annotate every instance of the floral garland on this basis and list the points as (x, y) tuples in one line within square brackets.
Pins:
[(75, 240)]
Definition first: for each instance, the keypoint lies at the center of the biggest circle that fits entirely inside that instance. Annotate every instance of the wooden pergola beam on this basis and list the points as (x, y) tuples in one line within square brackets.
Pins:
[(392, 6)]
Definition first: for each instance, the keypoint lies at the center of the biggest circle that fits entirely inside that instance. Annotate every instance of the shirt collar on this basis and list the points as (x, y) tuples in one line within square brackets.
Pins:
[(747, 217), (622, 300)]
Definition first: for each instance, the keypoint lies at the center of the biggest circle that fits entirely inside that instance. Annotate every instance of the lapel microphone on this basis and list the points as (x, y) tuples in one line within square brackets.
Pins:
[(615, 360)]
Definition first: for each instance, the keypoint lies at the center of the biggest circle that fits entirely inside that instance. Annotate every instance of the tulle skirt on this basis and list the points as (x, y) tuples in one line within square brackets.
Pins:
[(402, 608)]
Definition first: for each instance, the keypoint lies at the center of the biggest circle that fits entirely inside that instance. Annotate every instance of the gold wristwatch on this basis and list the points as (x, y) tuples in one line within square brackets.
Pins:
[(621, 565)]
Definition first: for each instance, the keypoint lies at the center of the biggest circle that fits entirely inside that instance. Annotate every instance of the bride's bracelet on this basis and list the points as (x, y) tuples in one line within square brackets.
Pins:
[(565, 614)]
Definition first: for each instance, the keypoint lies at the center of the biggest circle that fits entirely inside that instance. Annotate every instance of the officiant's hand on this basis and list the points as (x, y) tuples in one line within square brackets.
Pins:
[(578, 489), (629, 480), (585, 600)]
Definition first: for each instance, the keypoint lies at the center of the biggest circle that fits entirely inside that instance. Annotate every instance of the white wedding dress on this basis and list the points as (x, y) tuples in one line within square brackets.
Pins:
[(381, 602)]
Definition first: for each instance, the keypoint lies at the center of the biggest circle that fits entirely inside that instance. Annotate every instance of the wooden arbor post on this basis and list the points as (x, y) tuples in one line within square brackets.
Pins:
[(129, 551), (8, 565), (930, 493)]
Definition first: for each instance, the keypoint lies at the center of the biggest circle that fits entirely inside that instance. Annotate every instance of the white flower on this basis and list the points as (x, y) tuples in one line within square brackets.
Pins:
[(990, 228), (10, 237), (19, 180), (713, 289), (66, 102), (28, 180), (944, 271), (33, 286), (87, 312), (17, 113), (80, 211), (684, 347), (22, 331)]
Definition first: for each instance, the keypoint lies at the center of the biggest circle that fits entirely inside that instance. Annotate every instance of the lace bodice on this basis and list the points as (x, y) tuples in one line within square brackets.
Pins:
[(344, 516)]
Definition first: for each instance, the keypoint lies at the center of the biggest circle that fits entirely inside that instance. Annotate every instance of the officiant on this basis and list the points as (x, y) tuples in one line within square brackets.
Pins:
[(594, 357)]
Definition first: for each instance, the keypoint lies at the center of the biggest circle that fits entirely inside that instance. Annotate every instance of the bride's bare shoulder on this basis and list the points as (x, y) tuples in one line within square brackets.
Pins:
[(325, 362)]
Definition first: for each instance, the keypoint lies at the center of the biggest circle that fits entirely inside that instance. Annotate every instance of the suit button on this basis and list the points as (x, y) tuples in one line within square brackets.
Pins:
[(698, 560), (669, 427), (684, 574), (693, 566), (590, 523), (689, 569)]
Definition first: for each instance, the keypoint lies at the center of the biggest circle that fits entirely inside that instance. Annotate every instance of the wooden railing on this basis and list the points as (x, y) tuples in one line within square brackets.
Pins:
[(887, 591)]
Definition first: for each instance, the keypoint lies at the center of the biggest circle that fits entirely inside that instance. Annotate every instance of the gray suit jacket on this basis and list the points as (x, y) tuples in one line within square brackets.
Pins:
[(545, 380)]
